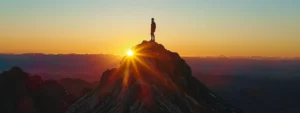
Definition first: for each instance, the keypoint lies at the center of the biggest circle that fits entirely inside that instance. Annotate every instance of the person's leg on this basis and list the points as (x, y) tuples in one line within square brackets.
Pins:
[(152, 35)]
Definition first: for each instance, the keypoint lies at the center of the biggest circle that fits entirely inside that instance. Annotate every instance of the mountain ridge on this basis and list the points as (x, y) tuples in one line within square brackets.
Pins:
[(154, 80)]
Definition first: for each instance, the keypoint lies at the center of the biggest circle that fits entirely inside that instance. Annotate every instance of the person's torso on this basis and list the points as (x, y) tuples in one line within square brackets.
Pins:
[(153, 26)]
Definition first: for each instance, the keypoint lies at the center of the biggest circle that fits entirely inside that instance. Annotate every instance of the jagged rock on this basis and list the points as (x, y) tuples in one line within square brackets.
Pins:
[(155, 80)]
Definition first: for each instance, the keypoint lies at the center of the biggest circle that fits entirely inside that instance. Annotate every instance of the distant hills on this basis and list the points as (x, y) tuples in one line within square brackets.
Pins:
[(21, 93), (89, 66), (86, 67)]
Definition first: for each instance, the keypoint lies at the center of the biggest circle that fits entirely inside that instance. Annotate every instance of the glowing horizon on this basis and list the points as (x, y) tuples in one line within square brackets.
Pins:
[(267, 28)]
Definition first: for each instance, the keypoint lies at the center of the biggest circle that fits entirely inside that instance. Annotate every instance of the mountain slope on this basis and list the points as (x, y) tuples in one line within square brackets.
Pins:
[(154, 80)]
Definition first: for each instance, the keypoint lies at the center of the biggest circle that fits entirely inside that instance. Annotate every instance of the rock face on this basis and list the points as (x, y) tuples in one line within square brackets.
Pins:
[(21, 93), (154, 80)]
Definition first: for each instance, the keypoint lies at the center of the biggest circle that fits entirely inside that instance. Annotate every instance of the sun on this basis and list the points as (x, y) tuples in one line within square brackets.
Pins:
[(130, 53)]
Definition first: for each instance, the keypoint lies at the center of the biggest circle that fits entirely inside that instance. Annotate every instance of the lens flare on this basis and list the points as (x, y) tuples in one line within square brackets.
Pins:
[(130, 53)]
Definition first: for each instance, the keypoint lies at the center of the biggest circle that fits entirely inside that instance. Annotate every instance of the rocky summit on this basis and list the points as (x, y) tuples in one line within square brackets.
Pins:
[(153, 80)]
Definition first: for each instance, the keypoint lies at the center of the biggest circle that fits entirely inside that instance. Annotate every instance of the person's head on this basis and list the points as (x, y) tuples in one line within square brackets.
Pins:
[(152, 19)]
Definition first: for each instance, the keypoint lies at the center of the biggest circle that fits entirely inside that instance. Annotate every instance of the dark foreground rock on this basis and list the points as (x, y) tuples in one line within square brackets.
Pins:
[(21, 93)]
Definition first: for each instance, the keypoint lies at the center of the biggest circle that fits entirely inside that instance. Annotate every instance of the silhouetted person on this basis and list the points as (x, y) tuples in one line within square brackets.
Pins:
[(153, 27)]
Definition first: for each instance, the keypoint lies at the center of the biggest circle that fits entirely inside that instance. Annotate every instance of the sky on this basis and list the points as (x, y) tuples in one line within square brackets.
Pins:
[(269, 28)]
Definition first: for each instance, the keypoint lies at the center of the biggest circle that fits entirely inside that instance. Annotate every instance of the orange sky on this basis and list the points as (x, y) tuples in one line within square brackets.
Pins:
[(191, 28)]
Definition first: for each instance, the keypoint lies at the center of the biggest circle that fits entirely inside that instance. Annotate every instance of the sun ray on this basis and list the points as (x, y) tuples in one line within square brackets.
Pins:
[(136, 69), (139, 48), (132, 65), (159, 76)]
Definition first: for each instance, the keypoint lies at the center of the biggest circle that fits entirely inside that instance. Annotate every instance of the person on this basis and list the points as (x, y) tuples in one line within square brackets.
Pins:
[(153, 27)]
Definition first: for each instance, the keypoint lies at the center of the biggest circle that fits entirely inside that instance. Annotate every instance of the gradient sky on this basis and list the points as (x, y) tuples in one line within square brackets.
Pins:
[(189, 27)]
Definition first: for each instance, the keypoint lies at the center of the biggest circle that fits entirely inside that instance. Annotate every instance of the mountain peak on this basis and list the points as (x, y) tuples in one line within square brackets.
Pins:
[(16, 69), (154, 80), (155, 49), (15, 73)]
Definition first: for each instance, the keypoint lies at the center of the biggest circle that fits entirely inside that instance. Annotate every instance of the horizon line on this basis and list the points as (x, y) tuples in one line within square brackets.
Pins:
[(186, 56)]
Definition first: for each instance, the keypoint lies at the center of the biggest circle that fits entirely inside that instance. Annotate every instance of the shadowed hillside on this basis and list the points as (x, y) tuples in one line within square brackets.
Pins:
[(21, 93)]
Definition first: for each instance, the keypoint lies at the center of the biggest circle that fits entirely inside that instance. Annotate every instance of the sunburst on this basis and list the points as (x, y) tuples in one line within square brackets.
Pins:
[(130, 53)]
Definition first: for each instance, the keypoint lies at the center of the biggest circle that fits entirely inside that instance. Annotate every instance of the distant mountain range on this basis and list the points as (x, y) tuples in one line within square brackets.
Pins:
[(89, 66), (86, 67)]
